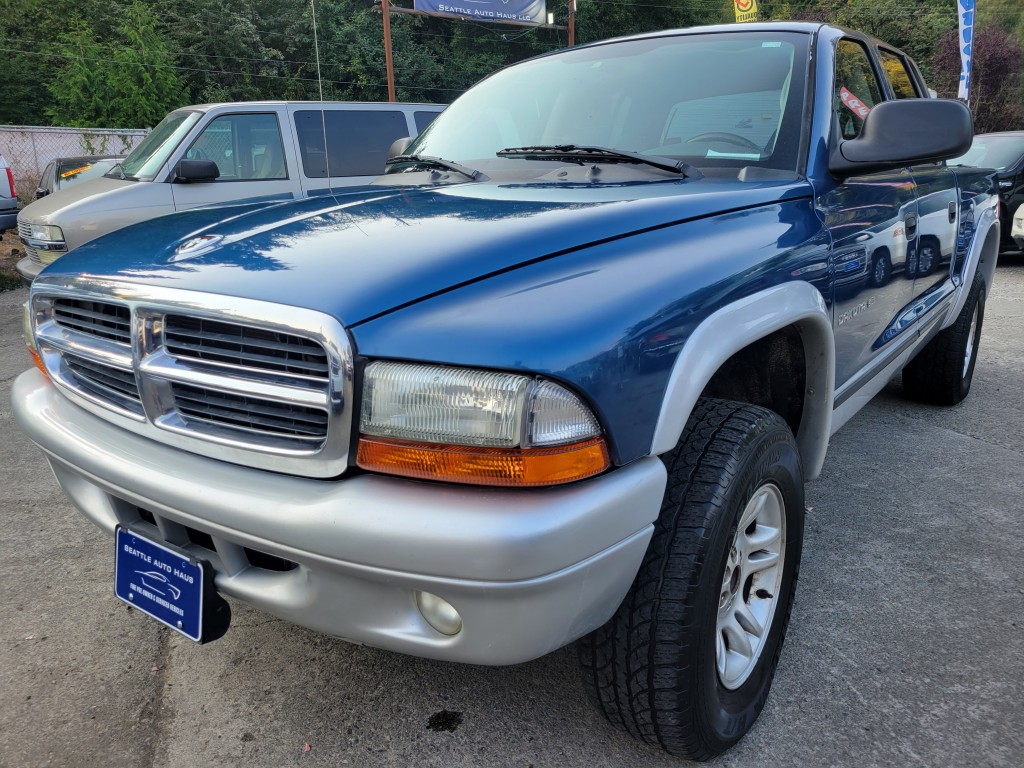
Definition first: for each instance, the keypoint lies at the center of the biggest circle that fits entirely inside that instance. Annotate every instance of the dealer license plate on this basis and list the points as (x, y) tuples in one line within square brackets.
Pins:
[(163, 582)]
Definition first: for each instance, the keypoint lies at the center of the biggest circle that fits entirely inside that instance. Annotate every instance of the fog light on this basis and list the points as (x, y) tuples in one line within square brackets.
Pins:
[(439, 613)]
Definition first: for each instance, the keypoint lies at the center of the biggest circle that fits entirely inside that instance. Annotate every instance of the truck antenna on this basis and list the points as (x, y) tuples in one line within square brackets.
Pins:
[(320, 85)]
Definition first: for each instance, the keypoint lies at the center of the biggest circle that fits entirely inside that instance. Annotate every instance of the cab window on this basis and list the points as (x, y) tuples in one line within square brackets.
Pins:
[(244, 147), (898, 76), (857, 88)]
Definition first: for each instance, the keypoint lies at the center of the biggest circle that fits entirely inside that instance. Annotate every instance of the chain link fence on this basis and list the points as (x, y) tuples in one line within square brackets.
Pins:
[(30, 148)]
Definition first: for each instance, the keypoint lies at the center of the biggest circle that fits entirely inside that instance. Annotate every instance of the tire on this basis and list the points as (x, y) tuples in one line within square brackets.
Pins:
[(654, 668), (942, 372), (881, 268)]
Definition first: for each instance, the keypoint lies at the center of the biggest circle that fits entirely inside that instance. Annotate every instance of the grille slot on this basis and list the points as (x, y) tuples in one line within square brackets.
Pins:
[(218, 552), (212, 341), (103, 381), (251, 414), (96, 318)]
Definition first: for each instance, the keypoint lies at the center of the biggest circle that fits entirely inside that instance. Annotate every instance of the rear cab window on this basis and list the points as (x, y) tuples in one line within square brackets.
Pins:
[(898, 74)]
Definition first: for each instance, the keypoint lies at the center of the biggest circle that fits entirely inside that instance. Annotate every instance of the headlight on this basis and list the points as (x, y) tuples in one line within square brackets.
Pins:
[(46, 232), (471, 426)]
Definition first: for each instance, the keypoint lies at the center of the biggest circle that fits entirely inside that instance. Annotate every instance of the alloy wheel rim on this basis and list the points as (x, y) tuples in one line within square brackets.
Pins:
[(925, 259), (880, 270), (750, 586), (969, 352)]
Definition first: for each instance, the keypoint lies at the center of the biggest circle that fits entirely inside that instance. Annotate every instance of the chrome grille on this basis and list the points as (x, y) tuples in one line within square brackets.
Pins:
[(24, 229), (33, 254), (211, 341), (104, 381), (251, 414), (245, 381), (96, 318)]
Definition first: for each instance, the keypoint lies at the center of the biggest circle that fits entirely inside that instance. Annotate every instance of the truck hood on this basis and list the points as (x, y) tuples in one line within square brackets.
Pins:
[(359, 255)]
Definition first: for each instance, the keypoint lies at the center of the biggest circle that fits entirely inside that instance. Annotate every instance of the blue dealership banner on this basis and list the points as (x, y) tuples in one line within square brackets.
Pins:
[(522, 11), (965, 10)]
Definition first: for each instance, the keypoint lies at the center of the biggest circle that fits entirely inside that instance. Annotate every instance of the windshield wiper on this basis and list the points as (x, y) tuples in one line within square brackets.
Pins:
[(578, 153), (436, 162)]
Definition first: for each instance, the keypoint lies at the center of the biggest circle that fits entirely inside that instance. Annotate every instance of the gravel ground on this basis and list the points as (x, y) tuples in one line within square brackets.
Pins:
[(906, 646)]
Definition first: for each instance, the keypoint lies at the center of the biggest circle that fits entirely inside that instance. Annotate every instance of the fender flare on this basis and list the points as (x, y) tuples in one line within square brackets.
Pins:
[(737, 325), (983, 255)]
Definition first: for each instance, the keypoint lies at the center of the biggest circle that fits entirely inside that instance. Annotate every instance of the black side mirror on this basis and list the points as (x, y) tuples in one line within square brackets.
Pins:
[(904, 132), (40, 193), (189, 171), (399, 146)]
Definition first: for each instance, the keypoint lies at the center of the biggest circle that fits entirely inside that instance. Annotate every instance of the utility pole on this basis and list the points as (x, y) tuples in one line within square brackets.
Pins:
[(389, 61), (572, 23)]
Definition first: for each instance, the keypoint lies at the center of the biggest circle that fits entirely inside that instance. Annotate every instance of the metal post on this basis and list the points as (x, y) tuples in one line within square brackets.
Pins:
[(572, 23), (388, 60)]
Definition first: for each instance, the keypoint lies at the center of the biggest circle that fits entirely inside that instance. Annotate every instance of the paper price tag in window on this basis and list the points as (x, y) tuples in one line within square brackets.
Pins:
[(852, 103)]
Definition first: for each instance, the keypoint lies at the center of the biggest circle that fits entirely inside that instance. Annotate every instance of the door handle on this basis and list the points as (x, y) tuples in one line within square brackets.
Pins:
[(952, 212), (910, 226)]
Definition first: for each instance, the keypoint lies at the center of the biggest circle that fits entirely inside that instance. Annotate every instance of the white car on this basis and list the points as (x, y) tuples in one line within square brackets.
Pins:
[(1017, 228)]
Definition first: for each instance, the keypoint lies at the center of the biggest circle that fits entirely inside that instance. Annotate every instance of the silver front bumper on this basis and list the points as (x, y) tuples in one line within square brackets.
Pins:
[(528, 570), (28, 270)]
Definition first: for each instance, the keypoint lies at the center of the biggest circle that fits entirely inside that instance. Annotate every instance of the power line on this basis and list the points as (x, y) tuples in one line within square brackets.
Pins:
[(219, 71)]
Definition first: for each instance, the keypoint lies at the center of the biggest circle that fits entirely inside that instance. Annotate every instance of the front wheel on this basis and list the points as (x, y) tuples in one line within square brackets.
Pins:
[(687, 660)]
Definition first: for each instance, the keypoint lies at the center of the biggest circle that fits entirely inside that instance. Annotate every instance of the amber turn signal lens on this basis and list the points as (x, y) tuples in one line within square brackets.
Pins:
[(484, 466), (38, 361)]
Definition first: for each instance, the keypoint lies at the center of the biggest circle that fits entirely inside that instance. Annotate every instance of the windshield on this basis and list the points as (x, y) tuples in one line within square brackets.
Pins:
[(998, 152), (711, 100), (73, 173), (148, 158)]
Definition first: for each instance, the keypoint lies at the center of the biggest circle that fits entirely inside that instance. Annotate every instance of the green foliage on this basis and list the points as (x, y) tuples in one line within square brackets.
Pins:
[(80, 87), (129, 85), (124, 63), (142, 80)]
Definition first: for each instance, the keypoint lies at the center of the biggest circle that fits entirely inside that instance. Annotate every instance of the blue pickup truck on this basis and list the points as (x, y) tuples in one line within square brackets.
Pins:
[(559, 376)]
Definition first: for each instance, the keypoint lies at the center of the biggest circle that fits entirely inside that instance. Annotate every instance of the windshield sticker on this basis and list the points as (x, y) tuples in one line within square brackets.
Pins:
[(74, 171), (771, 45), (852, 103), (734, 155)]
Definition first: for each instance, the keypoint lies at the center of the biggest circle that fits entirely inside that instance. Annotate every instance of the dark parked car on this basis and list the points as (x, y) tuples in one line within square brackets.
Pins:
[(65, 171), (1004, 152)]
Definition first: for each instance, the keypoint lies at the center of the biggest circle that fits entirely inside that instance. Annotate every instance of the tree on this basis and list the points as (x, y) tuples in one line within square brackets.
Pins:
[(996, 93), (80, 86), (143, 80)]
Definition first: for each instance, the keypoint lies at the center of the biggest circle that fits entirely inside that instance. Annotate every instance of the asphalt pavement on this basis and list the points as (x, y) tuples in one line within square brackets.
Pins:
[(906, 645)]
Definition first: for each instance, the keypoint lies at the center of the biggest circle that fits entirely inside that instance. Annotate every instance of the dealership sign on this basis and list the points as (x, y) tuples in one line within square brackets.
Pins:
[(746, 10), (521, 11)]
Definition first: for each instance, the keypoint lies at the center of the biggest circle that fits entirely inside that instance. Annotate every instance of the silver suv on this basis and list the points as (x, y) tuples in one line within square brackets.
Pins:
[(8, 198)]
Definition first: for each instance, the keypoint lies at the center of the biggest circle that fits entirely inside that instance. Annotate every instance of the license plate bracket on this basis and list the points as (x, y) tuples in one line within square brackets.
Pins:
[(168, 584)]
